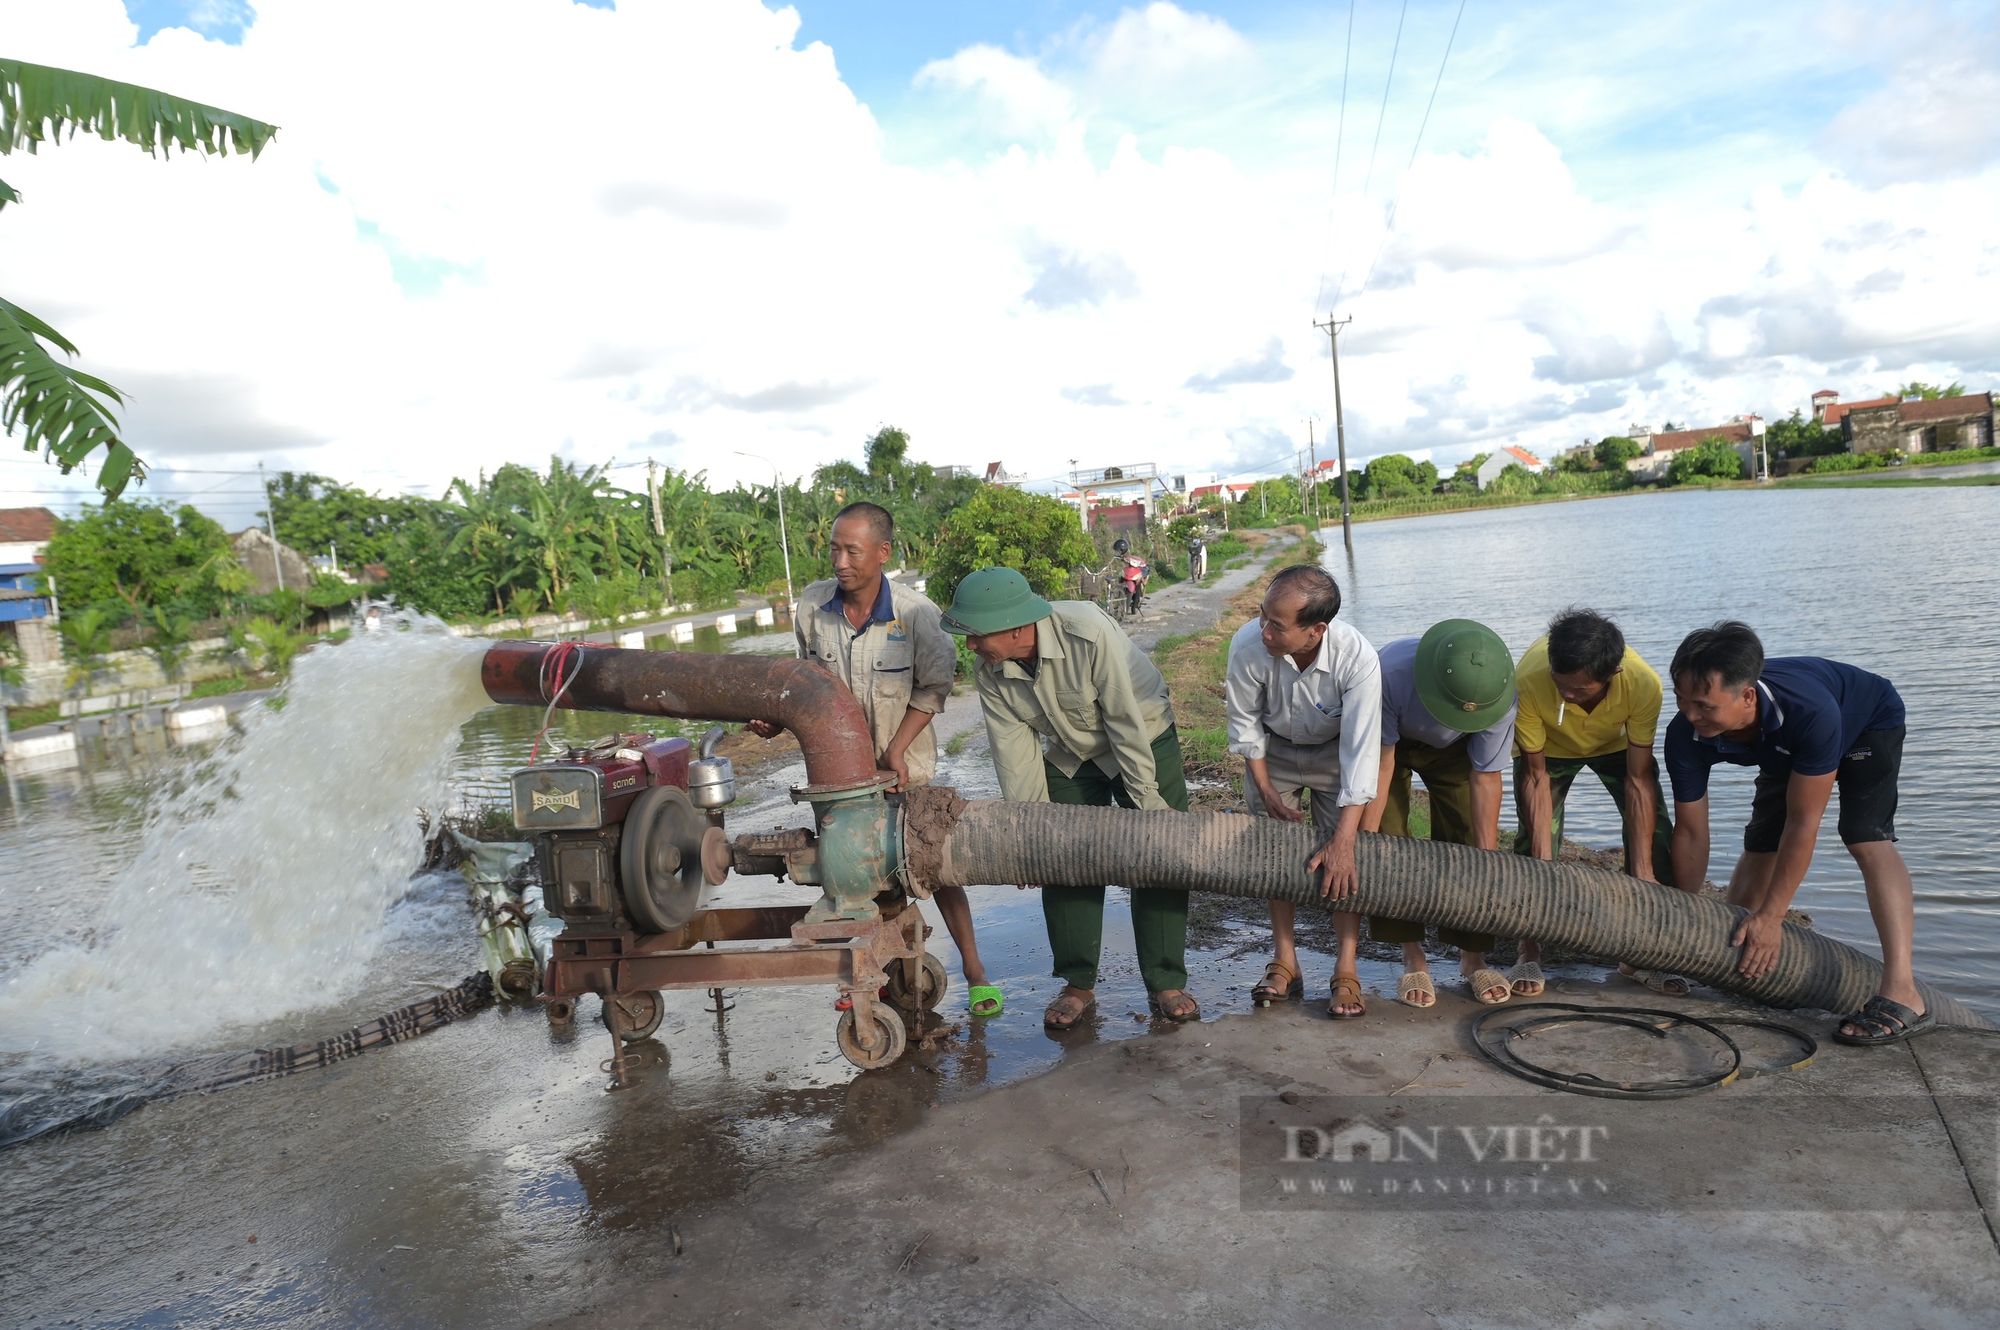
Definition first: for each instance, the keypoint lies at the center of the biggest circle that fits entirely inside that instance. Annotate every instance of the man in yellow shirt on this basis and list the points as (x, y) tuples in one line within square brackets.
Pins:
[(1588, 701)]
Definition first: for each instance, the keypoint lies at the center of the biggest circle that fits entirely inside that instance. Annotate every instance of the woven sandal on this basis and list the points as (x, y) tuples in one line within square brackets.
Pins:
[(1527, 979), (1483, 981), (1413, 982)]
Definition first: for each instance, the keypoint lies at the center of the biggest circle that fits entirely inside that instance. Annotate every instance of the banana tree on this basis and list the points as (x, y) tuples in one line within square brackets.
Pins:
[(53, 406)]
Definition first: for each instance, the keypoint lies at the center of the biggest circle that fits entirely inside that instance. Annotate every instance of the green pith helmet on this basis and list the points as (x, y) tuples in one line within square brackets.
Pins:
[(993, 600), (1465, 675)]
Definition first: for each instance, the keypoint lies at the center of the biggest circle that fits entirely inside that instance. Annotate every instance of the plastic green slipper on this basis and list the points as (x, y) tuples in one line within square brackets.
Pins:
[(985, 1000)]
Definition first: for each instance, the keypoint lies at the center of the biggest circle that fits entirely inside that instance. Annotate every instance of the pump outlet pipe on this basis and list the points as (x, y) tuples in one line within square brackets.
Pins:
[(949, 841), (816, 707)]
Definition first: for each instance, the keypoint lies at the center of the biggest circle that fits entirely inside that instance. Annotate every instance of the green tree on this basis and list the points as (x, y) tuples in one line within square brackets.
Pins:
[(1796, 436), (1712, 459), (1036, 534), (126, 556), (1929, 392), (274, 644), (1397, 477), (1616, 450), (52, 406)]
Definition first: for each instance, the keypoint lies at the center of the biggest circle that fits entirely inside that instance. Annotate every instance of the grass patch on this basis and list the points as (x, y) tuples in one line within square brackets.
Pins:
[(956, 744)]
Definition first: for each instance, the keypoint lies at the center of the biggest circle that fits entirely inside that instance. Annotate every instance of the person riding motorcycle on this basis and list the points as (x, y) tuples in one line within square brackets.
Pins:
[(1132, 576)]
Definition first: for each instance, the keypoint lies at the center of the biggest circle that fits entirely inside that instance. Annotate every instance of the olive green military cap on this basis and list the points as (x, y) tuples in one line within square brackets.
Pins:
[(1465, 675), (993, 600)]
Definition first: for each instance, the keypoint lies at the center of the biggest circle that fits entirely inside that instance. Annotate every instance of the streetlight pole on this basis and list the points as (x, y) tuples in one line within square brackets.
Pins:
[(784, 542)]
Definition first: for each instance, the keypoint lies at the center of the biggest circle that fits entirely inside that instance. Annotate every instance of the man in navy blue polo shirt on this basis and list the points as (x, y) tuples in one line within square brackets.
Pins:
[(1808, 725)]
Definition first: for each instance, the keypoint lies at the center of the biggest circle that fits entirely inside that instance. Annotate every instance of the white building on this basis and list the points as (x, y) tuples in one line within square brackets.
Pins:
[(1502, 458)]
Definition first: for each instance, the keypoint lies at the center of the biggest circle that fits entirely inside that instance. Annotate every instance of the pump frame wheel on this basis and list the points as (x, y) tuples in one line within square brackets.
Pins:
[(893, 1038), (660, 865), (935, 982), (642, 1014)]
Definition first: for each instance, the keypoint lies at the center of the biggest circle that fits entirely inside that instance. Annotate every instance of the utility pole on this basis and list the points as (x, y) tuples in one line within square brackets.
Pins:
[(1312, 469), (784, 542), (270, 529), (1340, 426)]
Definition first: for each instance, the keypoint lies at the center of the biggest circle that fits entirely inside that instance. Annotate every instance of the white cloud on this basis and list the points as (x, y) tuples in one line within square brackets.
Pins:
[(1937, 111), (527, 226), (1012, 90)]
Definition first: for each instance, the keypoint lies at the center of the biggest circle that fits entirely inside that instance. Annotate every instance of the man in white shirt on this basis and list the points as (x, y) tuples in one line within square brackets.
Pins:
[(1304, 695)]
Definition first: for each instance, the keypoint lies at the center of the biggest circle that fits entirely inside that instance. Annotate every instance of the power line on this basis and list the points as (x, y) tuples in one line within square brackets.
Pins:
[(1339, 137), (1381, 116), (1397, 198)]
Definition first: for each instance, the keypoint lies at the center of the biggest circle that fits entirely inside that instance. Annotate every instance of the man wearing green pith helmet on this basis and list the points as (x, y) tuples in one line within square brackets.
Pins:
[(1078, 715), (1448, 717)]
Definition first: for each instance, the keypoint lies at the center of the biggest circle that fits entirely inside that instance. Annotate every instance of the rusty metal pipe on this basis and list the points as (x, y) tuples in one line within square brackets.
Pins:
[(805, 699)]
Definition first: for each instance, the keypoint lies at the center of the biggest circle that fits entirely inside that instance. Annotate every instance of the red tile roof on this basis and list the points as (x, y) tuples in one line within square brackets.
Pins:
[(1688, 438), (1527, 458), (1837, 411), (26, 524), (1946, 408)]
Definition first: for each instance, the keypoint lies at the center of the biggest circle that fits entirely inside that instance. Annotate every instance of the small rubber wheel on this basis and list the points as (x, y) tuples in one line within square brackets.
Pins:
[(642, 1013), (927, 997), (891, 1040)]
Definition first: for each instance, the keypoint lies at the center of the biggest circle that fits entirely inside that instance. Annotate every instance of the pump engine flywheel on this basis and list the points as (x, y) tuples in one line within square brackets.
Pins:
[(659, 859)]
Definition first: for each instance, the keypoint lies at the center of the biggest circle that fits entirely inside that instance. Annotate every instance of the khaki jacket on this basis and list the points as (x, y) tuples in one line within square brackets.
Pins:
[(902, 659), (1095, 697)]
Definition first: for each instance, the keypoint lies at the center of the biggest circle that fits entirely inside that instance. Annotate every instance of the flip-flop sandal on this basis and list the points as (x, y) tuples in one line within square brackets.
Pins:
[(1530, 973), (1157, 1001), (1661, 982), (1483, 981), (1889, 1021), (1285, 988), (1416, 981), (1060, 1015), (984, 1000), (1346, 993)]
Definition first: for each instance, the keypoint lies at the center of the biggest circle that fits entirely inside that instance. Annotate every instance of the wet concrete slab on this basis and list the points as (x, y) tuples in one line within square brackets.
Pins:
[(1112, 1192)]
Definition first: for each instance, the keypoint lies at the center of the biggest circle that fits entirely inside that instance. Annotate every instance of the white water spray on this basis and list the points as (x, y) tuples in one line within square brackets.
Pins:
[(260, 884)]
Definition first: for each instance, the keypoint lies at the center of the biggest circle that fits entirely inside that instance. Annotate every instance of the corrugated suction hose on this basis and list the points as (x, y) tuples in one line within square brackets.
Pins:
[(952, 842)]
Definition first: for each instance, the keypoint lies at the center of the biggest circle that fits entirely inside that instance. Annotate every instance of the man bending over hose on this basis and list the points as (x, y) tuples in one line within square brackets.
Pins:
[(1809, 726)]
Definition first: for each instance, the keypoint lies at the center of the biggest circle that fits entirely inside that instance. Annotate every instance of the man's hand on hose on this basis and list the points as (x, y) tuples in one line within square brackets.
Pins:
[(1338, 876), (1026, 886), (1759, 935), (765, 729)]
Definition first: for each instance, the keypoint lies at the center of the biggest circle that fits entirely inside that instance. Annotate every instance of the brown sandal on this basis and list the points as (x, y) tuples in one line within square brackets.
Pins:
[(1178, 1013), (1071, 1005), (1280, 983), (1346, 993)]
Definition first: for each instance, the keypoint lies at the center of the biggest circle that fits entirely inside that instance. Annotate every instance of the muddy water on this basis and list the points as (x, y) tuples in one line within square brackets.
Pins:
[(1904, 582)]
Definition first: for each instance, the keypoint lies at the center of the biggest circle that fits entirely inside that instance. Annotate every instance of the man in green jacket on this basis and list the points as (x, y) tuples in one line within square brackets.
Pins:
[(1077, 714)]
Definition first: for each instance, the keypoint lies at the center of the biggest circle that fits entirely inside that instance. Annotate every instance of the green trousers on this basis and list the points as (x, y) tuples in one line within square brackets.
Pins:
[(1075, 915), (1447, 774), (1610, 771)]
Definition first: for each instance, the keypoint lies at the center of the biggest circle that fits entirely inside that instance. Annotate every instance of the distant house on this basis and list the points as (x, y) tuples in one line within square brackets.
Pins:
[(24, 604), (1834, 414), (1821, 400), (996, 474), (1660, 448), (254, 547), (1917, 425), (1502, 458)]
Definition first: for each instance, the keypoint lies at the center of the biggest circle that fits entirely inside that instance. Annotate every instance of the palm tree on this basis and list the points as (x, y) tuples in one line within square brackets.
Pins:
[(86, 636), (54, 407), (170, 639)]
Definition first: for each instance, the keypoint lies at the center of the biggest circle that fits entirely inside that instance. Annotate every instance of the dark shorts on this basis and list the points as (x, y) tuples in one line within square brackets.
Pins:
[(1865, 780)]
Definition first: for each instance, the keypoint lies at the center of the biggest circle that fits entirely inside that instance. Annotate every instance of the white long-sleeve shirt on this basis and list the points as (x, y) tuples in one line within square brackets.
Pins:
[(1339, 697)]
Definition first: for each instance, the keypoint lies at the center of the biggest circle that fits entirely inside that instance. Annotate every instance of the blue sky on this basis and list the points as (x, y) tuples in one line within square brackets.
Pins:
[(1025, 231)]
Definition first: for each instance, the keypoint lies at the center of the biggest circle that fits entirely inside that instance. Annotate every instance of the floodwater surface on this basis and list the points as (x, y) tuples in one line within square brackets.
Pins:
[(1903, 582)]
